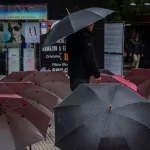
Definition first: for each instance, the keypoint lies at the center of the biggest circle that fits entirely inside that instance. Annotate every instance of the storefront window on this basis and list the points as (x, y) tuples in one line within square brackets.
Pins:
[(20, 37)]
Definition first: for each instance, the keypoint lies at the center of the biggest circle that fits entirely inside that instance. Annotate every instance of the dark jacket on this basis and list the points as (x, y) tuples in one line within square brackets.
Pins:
[(11, 40), (82, 62), (136, 47)]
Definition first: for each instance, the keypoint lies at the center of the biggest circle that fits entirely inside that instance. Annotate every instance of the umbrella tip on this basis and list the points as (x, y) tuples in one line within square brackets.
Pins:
[(67, 11)]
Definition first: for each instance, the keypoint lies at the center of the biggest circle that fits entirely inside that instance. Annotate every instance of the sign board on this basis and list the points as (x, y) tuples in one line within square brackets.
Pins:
[(114, 63), (32, 33), (43, 28), (23, 12), (114, 38), (54, 57), (114, 47)]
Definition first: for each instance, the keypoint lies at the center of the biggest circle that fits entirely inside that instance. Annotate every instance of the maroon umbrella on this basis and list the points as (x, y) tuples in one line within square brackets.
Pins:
[(117, 79), (31, 91), (38, 77), (137, 80), (16, 76), (21, 123), (61, 89), (144, 89), (139, 72), (56, 82)]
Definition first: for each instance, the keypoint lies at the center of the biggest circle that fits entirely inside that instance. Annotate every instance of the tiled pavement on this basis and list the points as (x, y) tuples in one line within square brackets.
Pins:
[(48, 144)]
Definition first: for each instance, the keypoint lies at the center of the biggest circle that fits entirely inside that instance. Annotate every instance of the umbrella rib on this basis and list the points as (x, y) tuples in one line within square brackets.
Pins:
[(116, 89), (94, 93), (130, 104), (4, 103), (98, 14), (15, 107), (71, 24), (102, 128), (121, 131), (95, 13), (11, 131), (79, 128), (133, 120)]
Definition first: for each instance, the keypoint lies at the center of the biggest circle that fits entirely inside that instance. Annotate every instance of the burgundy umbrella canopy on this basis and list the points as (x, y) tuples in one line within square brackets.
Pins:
[(144, 89), (61, 89), (56, 82), (139, 72), (32, 92), (20, 125), (16, 76), (117, 79), (137, 80), (46, 76)]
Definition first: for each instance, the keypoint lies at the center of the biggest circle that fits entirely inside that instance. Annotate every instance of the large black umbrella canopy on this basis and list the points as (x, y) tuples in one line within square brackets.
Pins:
[(103, 117), (75, 22)]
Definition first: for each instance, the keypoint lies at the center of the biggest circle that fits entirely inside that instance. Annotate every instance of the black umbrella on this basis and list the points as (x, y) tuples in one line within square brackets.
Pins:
[(105, 71), (103, 117), (75, 22)]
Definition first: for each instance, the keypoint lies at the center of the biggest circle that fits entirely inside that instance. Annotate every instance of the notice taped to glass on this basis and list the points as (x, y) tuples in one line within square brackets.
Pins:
[(114, 47), (114, 63), (114, 37)]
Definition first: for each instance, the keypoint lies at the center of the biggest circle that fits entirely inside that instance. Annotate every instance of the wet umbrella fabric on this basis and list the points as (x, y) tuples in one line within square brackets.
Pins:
[(137, 80), (16, 76), (56, 82), (144, 89), (32, 92), (20, 125), (139, 72), (75, 22), (61, 89), (103, 117), (117, 79), (38, 77)]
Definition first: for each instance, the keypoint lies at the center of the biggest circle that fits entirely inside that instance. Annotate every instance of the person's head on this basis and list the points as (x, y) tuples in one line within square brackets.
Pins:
[(15, 29), (136, 37), (90, 27)]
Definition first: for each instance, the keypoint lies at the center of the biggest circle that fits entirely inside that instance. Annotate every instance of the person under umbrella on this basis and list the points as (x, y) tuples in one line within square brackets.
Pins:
[(78, 26), (82, 62)]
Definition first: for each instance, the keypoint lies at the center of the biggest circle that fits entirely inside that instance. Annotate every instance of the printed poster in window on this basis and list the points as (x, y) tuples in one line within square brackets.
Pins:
[(29, 59), (13, 60), (32, 32)]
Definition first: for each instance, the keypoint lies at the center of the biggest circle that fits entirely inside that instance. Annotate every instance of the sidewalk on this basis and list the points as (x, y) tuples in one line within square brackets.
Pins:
[(48, 144)]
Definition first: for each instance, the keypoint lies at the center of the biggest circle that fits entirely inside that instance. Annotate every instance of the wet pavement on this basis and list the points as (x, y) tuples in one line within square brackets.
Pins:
[(49, 143)]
